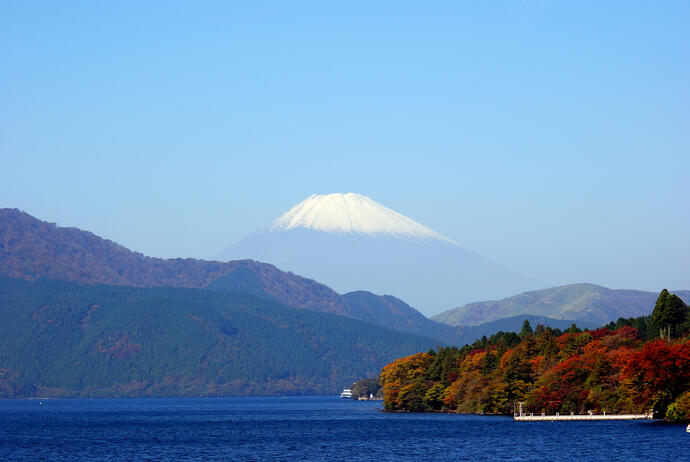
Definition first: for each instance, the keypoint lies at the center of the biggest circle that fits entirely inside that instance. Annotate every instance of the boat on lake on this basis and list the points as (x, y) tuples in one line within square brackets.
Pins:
[(346, 394)]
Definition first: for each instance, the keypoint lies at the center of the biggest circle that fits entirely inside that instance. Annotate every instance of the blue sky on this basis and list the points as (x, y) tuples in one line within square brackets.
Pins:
[(553, 137)]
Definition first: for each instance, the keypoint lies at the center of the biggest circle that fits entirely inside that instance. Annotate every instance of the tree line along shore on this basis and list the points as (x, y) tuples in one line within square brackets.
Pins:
[(630, 366)]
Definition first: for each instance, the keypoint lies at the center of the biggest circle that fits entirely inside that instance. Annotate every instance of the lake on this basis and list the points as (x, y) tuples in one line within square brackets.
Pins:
[(308, 428)]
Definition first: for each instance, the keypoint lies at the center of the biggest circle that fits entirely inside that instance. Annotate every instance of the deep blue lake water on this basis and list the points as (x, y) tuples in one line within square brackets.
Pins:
[(309, 428)]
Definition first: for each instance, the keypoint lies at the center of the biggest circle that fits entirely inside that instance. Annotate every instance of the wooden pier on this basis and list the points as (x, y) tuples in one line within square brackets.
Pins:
[(521, 416), (551, 418)]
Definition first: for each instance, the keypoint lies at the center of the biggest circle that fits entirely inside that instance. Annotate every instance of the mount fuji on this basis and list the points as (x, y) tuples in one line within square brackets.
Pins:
[(350, 242)]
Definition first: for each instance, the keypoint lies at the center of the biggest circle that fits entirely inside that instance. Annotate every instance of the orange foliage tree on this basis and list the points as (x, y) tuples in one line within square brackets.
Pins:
[(608, 370)]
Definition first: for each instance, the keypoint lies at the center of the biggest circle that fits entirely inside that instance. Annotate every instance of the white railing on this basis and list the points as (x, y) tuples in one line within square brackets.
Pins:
[(542, 417)]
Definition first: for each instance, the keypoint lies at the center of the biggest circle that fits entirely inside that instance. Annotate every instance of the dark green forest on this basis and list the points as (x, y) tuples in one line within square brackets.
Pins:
[(64, 339)]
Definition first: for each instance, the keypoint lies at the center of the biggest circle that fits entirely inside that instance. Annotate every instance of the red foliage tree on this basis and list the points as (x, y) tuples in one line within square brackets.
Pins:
[(658, 374)]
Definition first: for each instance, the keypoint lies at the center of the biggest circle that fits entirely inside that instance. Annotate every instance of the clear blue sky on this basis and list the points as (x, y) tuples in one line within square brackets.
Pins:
[(551, 136)]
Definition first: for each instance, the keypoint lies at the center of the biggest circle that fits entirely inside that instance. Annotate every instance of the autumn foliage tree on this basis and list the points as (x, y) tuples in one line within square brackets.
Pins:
[(613, 369), (658, 374), (404, 383)]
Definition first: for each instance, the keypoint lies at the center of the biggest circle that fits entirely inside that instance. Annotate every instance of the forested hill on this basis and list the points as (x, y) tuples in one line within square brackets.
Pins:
[(630, 366), (34, 249), (64, 339)]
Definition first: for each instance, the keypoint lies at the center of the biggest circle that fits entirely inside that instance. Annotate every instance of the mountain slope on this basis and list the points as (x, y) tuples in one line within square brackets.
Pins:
[(63, 339), (292, 290), (32, 249), (350, 242), (389, 311), (268, 282), (579, 302)]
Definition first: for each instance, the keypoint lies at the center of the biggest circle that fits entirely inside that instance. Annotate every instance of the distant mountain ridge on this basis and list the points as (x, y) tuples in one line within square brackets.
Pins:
[(33, 249), (385, 310), (578, 302)]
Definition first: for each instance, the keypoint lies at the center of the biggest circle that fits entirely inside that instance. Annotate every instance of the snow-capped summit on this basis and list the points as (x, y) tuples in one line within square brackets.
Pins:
[(351, 242), (351, 213)]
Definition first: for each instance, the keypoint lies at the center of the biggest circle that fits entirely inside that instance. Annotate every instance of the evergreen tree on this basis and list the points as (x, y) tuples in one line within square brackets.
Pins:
[(573, 329), (526, 329), (669, 313)]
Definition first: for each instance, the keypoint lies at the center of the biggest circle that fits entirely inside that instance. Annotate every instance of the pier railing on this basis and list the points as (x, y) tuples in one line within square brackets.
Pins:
[(546, 417)]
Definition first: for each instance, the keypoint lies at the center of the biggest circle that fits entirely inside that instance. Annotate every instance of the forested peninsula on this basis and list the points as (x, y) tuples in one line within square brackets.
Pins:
[(631, 366)]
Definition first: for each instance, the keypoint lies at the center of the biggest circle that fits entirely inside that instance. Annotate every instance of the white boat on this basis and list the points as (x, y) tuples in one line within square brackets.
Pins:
[(687, 429), (346, 394)]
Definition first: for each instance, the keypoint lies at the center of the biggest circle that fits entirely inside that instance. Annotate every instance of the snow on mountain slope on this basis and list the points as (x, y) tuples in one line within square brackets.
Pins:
[(351, 213), (350, 242)]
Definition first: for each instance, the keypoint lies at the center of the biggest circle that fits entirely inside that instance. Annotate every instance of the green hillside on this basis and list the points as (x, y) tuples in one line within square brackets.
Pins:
[(34, 249), (577, 302), (63, 339)]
